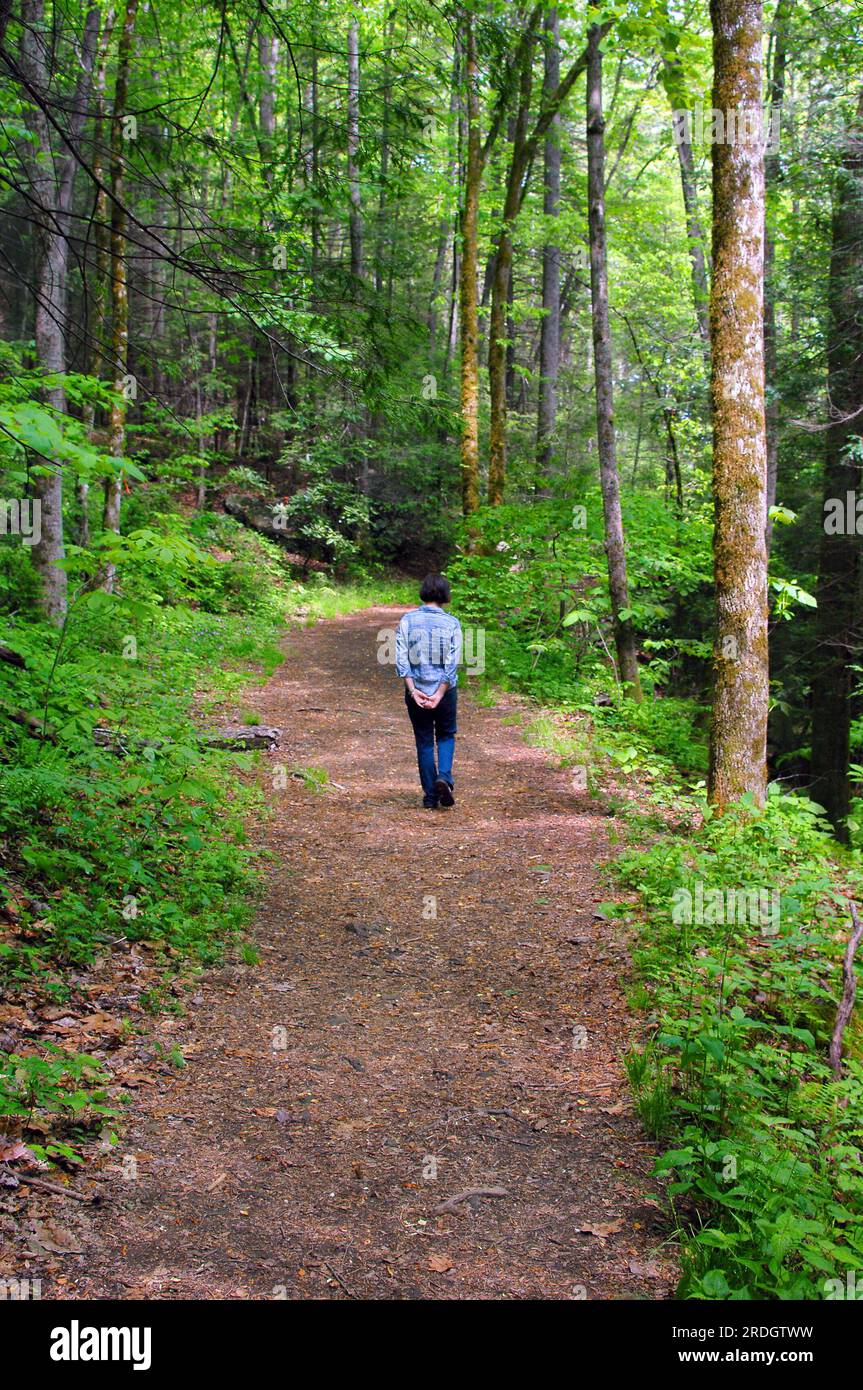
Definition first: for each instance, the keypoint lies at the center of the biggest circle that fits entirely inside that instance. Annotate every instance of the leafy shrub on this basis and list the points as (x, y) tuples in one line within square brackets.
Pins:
[(766, 1138)]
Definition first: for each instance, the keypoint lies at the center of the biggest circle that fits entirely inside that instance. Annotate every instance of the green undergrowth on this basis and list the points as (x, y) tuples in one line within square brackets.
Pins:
[(737, 928), (147, 844), (740, 996), (737, 924), (69, 1090), (532, 581)]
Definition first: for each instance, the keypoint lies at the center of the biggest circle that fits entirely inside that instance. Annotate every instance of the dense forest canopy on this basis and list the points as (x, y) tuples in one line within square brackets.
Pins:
[(351, 253), (565, 300)]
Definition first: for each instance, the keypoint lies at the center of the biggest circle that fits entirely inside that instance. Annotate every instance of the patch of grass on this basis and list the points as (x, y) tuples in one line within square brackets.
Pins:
[(316, 779)]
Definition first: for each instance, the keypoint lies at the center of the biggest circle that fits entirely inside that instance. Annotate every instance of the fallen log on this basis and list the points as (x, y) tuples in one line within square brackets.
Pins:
[(259, 515), (268, 519), (13, 658), (232, 739), (31, 722), (242, 738)]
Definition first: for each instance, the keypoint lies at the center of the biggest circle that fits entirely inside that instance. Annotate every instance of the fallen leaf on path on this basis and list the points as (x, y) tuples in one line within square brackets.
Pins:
[(100, 1023), (602, 1229), (46, 1235), (34, 1126), (645, 1271), (12, 1150), (11, 1013), (136, 1078)]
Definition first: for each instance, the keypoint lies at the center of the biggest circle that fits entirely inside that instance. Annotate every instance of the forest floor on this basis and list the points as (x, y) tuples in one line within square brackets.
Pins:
[(437, 1009)]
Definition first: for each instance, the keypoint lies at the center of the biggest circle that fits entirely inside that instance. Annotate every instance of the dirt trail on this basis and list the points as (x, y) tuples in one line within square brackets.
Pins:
[(380, 1060)]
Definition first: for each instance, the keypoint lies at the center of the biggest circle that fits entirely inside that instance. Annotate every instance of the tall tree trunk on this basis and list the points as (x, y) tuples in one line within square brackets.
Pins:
[(452, 313), (437, 280), (382, 236), (695, 237), (549, 341), (477, 156), (675, 88), (772, 174), (119, 283), (511, 386), (524, 148), (838, 628), (316, 145), (500, 286), (98, 291), (624, 634), (202, 405), (446, 218), (356, 221), (268, 62), (51, 176), (739, 731), (468, 282), (158, 280), (51, 352)]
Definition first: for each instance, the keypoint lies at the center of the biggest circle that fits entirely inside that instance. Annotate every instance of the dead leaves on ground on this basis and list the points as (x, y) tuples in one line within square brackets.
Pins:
[(46, 1237), (602, 1229)]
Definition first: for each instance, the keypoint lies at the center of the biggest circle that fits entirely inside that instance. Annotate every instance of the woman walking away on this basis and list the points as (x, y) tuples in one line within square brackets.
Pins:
[(428, 651)]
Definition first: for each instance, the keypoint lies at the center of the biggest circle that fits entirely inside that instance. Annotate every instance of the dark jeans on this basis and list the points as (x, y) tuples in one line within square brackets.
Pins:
[(428, 725)]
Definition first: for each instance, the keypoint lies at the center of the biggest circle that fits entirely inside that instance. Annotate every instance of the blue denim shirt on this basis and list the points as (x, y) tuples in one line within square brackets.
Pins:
[(428, 648)]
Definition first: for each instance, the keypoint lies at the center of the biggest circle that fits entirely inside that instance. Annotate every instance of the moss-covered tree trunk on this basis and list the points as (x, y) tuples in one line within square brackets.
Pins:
[(549, 340), (500, 287), (624, 634), (468, 282), (838, 624), (739, 729)]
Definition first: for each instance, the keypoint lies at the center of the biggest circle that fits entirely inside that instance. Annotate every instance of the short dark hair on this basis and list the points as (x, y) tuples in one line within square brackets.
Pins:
[(434, 589)]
